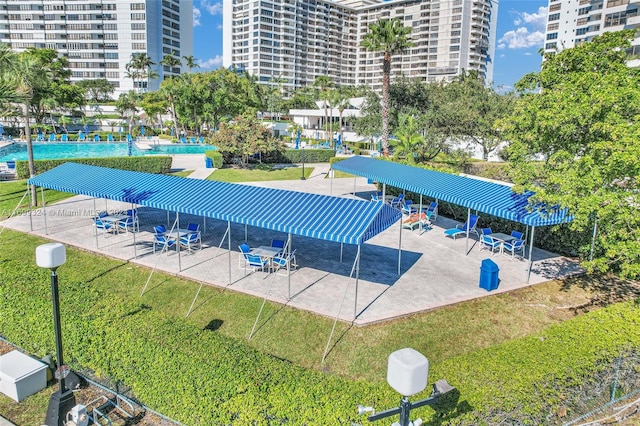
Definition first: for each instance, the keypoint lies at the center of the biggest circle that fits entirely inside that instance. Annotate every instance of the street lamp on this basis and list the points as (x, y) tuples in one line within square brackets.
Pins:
[(407, 373), (51, 256), (303, 144)]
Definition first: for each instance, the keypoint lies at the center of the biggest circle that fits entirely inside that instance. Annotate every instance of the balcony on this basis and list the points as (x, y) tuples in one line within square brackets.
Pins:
[(634, 21)]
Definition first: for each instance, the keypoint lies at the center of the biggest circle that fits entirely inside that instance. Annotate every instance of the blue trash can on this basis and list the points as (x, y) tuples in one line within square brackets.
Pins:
[(489, 275), (208, 162)]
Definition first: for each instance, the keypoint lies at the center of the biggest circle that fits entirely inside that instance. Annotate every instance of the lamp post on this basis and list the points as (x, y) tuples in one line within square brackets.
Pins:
[(407, 373), (51, 256), (303, 144)]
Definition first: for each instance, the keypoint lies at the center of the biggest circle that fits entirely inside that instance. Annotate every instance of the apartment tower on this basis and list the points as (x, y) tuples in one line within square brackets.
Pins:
[(99, 36), (570, 22), (294, 41)]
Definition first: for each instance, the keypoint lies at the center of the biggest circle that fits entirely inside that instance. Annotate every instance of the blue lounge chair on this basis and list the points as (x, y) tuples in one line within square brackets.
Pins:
[(160, 238), (82, 137), (245, 249), (40, 138), (201, 140), (52, 137), (462, 229), (488, 242), (255, 262), (192, 140), (183, 140), (285, 263), (190, 240), (64, 138), (397, 201), (513, 247), (432, 211), (408, 207), (96, 138), (109, 137)]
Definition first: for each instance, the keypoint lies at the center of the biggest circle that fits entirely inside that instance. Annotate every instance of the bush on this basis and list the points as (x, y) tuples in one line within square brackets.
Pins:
[(151, 164), (295, 156), (216, 157)]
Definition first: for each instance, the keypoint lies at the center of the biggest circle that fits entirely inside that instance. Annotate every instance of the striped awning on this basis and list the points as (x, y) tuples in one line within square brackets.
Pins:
[(324, 217), (483, 196)]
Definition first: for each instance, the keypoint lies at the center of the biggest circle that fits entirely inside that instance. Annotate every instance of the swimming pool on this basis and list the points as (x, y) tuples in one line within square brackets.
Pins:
[(49, 151)]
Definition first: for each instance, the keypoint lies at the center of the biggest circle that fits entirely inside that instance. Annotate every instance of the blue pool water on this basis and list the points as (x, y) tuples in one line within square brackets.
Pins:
[(49, 151)]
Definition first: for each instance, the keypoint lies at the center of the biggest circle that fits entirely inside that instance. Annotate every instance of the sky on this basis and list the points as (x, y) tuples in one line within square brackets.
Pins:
[(521, 25)]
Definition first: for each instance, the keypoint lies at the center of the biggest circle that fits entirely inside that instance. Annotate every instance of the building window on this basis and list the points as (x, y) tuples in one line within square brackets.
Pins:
[(553, 27), (554, 36), (613, 3), (555, 7), (554, 17), (550, 45)]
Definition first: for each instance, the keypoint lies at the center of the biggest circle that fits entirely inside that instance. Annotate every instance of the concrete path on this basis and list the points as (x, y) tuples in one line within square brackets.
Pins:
[(429, 271), (5, 422)]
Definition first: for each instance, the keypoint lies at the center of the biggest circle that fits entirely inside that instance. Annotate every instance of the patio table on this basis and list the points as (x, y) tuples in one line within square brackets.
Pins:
[(502, 237), (114, 219)]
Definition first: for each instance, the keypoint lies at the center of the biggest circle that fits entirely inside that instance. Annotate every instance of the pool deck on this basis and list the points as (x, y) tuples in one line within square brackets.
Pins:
[(434, 270)]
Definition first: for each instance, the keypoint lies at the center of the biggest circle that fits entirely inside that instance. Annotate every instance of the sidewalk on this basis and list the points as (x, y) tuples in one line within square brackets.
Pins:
[(5, 422)]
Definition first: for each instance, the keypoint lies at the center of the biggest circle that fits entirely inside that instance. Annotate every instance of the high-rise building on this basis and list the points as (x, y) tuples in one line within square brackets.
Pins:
[(99, 36), (290, 42), (570, 22)]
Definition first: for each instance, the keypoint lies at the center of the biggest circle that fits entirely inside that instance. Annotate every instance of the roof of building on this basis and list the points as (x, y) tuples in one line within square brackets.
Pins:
[(324, 217), (487, 197)]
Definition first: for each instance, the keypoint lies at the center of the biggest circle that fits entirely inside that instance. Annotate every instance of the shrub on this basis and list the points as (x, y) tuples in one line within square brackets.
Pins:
[(150, 164), (216, 157)]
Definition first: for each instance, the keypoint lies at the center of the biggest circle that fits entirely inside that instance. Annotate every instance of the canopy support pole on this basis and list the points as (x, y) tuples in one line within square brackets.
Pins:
[(204, 225), (419, 216), (466, 249), (30, 211), (288, 253), (400, 246), (354, 185), (341, 246), (44, 211), (384, 193), (335, 321), (331, 182), (95, 227), (201, 284), (229, 247), (133, 229), (533, 229), (593, 238), (165, 247), (246, 238), (355, 303), (178, 242)]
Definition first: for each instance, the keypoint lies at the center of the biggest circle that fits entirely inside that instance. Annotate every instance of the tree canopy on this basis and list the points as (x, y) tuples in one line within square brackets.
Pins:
[(581, 114)]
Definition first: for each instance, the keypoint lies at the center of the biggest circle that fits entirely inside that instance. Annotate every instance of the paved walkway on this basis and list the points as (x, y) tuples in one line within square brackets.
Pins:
[(433, 270), (5, 422)]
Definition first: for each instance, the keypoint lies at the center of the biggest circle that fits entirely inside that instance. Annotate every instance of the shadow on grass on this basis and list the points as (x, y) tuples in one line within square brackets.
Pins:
[(605, 290)]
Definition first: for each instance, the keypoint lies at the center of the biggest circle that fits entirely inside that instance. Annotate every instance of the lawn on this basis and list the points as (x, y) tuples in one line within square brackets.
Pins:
[(298, 337), (259, 173), (11, 193)]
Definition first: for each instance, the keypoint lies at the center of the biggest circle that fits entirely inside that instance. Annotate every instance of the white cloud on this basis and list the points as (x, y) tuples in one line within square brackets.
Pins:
[(521, 39), (196, 17), (530, 31), (537, 20), (210, 63), (219, 27), (211, 7)]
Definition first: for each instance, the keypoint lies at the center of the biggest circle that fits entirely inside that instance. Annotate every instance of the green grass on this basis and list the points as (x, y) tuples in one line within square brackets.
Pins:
[(300, 336), (259, 173), (12, 192), (340, 174), (446, 336), (182, 173)]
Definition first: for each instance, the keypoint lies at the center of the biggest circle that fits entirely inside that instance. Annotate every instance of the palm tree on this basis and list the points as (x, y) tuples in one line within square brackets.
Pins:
[(341, 99), (139, 68), (63, 121), (389, 37), (191, 62), (323, 83), (409, 138)]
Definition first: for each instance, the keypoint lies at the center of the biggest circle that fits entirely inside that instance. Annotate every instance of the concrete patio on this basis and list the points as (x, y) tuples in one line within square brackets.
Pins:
[(434, 269)]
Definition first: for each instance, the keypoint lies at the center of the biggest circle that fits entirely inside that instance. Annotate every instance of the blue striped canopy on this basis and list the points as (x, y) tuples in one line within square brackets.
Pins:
[(324, 217), (487, 197)]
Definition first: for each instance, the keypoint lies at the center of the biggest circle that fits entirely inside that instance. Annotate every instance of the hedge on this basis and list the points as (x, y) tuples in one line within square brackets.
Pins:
[(150, 164), (295, 156), (216, 157), (198, 376)]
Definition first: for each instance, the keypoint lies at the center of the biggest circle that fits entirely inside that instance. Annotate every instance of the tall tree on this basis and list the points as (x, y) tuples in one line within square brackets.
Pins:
[(139, 70), (171, 62), (127, 106), (389, 37), (341, 99), (191, 62), (580, 113), (323, 83)]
